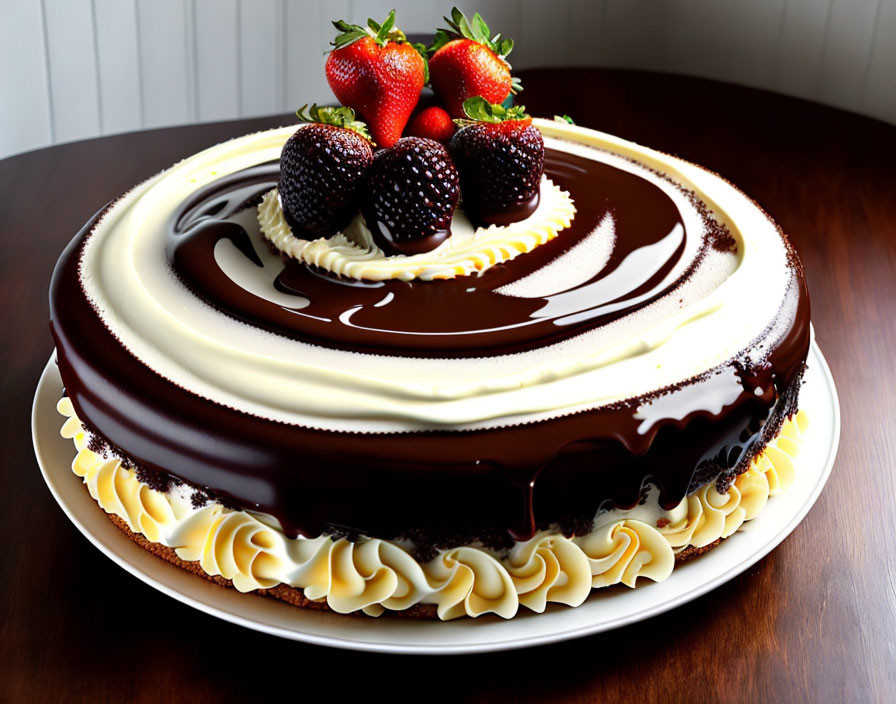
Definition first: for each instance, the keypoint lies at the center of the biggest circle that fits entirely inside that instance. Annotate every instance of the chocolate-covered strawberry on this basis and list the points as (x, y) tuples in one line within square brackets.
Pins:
[(467, 61), (411, 194), (499, 155), (322, 171)]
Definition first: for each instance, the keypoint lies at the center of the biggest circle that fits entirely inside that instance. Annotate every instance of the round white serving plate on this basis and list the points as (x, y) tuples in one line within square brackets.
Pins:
[(602, 611)]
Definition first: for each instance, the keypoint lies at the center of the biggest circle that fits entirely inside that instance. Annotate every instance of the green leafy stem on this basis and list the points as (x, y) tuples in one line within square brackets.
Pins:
[(338, 117), (478, 109)]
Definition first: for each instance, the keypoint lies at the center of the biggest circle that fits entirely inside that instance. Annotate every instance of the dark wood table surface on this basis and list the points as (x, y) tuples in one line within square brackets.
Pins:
[(813, 621)]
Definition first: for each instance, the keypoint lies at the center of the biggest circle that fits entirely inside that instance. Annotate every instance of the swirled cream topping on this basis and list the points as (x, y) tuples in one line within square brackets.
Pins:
[(354, 254), (719, 313), (373, 575)]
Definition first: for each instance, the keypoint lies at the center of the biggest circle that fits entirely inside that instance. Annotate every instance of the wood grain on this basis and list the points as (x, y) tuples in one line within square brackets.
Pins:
[(814, 621)]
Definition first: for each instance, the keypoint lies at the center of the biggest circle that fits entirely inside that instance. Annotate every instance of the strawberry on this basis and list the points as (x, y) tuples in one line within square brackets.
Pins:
[(412, 192), (322, 170), (467, 61), (499, 155), (378, 73), (432, 123)]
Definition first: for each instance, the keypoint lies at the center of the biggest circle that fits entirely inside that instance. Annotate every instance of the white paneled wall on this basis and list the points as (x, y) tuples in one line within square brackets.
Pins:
[(71, 69), (119, 79)]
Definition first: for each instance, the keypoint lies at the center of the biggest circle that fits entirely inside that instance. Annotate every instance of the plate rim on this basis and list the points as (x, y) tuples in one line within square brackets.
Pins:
[(485, 645)]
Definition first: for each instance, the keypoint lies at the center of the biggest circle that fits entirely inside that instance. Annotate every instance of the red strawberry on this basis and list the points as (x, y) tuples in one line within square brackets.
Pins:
[(378, 73), (467, 61), (432, 123), (499, 155)]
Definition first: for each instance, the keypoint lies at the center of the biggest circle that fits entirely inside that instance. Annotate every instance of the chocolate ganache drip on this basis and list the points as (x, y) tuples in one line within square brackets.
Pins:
[(439, 486)]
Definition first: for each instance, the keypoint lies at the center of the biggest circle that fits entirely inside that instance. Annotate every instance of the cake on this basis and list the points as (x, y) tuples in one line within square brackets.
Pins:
[(580, 395)]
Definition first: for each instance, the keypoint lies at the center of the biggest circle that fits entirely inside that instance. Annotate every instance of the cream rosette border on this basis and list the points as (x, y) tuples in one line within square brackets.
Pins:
[(354, 254), (373, 575)]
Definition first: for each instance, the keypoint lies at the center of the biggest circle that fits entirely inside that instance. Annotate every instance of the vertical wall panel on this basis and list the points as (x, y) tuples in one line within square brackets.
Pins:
[(800, 45), (544, 33), (846, 52), (879, 91), (750, 31), (281, 46), (587, 32), (117, 52), (191, 67), (72, 69), (166, 61), (417, 17), (102, 66), (694, 31), (304, 62), (25, 123), (217, 56), (308, 34), (633, 34), (259, 26)]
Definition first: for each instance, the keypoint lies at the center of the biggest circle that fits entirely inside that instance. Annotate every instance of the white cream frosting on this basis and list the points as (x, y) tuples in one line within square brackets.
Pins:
[(354, 254), (373, 575), (717, 315)]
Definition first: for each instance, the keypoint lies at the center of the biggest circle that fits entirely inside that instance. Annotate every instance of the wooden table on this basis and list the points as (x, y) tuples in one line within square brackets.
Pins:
[(813, 621)]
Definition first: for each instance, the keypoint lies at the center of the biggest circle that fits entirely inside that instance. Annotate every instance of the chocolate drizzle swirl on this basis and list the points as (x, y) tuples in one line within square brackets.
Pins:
[(461, 317), (504, 481)]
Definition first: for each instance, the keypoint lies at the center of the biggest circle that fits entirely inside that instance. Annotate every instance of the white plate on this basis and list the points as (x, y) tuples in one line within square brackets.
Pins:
[(602, 611)]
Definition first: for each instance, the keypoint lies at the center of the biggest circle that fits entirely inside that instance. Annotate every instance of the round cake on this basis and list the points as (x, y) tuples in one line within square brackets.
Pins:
[(443, 360), (526, 412)]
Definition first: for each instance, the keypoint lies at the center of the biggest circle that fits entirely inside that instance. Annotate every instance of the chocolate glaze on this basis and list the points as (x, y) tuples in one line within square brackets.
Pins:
[(510, 214), (390, 245), (507, 481), (464, 316)]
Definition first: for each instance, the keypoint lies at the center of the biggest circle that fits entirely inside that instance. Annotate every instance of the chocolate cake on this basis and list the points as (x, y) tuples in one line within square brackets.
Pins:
[(524, 413)]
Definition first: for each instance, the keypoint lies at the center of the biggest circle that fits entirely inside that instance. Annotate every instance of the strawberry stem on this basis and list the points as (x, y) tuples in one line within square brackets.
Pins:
[(381, 33), (478, 109), (475, 29), (338, 117)]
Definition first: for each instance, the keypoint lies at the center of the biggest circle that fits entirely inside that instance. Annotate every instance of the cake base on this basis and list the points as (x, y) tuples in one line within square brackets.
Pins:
[(601, 613), (375, 575), (295, 596)]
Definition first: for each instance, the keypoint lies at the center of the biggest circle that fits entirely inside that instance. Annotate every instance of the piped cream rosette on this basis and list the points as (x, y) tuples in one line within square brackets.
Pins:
[(354, 254), (373, 575)]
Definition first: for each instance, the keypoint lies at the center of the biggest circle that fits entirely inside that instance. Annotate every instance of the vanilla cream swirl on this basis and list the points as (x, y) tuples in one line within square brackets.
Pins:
[(373, 575), (353, 253), (719, 314)]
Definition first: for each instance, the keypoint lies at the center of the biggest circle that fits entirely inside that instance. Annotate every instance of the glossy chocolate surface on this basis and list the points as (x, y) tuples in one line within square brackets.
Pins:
[(441, 485), (464, 316)]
